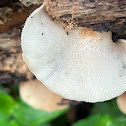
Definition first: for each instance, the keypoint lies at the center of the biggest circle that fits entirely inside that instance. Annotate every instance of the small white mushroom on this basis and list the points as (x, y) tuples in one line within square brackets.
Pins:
[(121, 102), (84, 65), (38, 96)]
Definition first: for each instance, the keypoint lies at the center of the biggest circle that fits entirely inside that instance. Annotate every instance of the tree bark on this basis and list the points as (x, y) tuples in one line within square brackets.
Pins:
[(102, 15), (15, 18), (12, 67)]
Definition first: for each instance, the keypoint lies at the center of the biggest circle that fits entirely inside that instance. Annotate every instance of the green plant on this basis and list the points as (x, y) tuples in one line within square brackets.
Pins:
[(17, 113), (104, 114)]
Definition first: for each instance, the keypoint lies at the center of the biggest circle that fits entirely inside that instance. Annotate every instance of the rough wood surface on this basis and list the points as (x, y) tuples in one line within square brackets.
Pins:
[(31, 2), (12, 67), (102, 15), (10, 18)]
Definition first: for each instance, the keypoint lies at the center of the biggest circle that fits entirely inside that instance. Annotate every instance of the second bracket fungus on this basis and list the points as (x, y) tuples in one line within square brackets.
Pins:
[(121, 102), (83, 65), (38, 96)]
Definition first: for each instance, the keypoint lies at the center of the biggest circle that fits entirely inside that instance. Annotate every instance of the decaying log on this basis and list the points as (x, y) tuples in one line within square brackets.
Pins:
[(12, 17), (12, 67), (90, 10), (102, 15), (10, 41), (31, 2), (16, 18)]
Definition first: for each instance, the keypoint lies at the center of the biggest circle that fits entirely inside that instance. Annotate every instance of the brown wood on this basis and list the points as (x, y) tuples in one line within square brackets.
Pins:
[(102, 15), (12, 67), (17, 18)]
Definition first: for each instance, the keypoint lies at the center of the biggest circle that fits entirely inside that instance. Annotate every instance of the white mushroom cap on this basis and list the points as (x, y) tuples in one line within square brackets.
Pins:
[(84, 65), (38, 96), (121, 102)]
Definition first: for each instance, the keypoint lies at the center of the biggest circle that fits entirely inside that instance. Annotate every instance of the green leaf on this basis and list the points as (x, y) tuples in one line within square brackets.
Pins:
[(109, 107), (97, 120), (8, 123), (2, 90), (6, 103), (2, 117), (27, 115), (46, 124), (104, 114), (102, 108), (5, 120), (13, 123)]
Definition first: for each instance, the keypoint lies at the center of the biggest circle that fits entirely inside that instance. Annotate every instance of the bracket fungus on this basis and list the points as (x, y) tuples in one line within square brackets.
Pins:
[(121, 102), (38, 96), (83, 65)]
